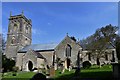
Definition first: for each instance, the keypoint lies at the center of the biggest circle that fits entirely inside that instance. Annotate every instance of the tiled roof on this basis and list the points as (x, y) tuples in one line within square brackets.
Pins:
[(38, 47)]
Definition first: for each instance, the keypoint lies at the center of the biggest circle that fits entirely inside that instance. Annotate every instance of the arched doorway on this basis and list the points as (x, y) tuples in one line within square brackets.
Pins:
[(30, 65), (67, 63)]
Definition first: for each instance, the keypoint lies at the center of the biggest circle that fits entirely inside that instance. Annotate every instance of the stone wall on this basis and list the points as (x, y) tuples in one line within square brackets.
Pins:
[(60, 50), (48, 55), (102, 59), (19, 60), (40, 63), (29, 56)]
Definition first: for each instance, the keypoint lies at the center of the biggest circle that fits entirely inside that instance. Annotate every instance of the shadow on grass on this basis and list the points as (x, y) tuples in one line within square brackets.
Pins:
[(103, 75), (84, 75)]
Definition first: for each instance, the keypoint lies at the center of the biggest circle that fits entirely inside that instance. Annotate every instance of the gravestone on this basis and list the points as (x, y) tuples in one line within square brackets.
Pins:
[(63, 70), (77, 72), (116, 71), (70, 68), (52, 72)]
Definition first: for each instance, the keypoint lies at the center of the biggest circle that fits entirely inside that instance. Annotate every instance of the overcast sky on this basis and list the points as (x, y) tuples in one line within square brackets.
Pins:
[(51, 21)]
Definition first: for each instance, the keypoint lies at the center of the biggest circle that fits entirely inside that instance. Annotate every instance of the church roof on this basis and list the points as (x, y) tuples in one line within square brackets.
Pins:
[(39, 47), (44, 47)]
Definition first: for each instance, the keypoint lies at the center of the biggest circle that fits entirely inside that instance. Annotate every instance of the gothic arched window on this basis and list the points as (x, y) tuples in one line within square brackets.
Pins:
[(68, 50)]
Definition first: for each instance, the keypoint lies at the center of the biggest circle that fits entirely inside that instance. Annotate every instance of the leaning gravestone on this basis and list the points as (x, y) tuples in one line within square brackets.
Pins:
[(52, 72), (63, 70)]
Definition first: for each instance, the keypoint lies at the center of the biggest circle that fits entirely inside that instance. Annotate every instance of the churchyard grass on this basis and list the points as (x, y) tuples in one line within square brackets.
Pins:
[(97, 72), (93, 72), (19, 75)]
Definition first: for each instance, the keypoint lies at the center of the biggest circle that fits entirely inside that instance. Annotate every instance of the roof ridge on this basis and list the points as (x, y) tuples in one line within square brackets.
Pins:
[(37, 47)]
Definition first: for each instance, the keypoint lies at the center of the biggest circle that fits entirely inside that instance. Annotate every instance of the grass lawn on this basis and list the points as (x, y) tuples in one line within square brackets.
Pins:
[(19, 76), (105, 72)]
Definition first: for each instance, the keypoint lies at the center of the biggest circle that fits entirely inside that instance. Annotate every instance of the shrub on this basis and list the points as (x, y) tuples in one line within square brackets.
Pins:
[(86, 64), (6, 62)]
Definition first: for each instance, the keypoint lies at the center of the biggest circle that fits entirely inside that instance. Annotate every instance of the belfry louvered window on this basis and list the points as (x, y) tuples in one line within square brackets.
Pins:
[(27, 29), (13, 40), (15, 27)]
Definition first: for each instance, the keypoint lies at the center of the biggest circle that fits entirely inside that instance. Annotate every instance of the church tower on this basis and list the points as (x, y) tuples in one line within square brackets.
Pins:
[(19, 34)]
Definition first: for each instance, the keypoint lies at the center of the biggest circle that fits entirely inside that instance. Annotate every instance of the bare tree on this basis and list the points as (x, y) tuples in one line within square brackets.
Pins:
[(101, 40)]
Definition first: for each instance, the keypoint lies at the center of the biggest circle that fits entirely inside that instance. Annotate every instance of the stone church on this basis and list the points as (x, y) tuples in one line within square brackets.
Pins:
[(20, 49), (30, 56)]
